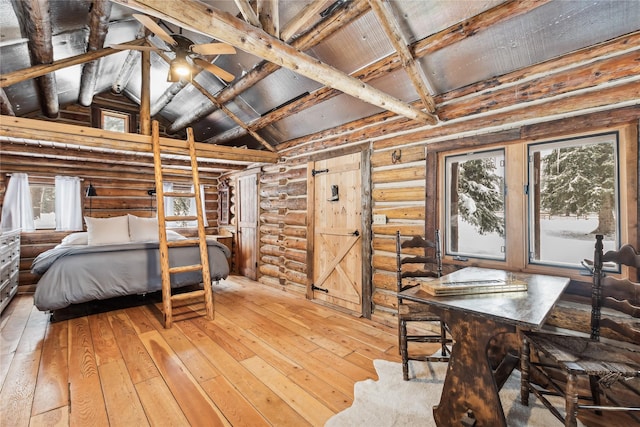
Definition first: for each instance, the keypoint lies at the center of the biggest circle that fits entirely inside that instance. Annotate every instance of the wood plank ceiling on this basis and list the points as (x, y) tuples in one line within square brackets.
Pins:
[(282, 42)]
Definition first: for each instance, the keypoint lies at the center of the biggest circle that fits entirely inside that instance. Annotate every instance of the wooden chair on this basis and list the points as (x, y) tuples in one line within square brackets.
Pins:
[(608, 369), (408, 311)]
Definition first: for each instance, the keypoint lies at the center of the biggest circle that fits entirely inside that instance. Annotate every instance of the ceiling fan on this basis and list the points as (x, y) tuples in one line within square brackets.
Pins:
[(187, 53)]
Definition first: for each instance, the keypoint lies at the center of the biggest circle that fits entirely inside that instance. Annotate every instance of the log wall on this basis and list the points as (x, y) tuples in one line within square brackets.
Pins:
[(282, 228), (591, 89), (588, 90), (403, 190), (121, 181)]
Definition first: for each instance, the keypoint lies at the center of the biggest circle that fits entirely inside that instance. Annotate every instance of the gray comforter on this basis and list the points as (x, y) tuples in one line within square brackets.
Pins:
[(76, 274)]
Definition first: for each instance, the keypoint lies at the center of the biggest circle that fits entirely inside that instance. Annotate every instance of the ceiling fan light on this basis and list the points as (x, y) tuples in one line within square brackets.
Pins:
[(179, 69)]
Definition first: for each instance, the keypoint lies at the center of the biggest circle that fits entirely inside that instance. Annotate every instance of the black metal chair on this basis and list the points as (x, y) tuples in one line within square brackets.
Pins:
[(420, 266), (609, 370)]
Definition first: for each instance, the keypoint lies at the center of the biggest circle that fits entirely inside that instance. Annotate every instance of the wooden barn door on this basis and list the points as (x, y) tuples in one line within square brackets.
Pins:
[(337, 232), (247, 259)]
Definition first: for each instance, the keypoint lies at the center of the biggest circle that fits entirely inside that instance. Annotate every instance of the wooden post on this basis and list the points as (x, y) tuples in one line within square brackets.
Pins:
[(145, 98)]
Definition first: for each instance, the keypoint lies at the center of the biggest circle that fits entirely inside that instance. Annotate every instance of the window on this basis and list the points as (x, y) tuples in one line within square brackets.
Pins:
[(183, 206), (43, 201), (475, 204), (116, 122), (538, 205), (223, 202), (573, 195)]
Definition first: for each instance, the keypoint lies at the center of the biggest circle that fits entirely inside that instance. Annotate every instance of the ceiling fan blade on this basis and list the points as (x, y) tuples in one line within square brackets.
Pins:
[(154, 28), (214, 69), (213, 49), (134, 47)]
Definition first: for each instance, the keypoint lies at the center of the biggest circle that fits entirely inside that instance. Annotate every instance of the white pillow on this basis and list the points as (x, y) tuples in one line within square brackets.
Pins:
[(143, 229), (174, 235), (105, 231), (76, 239), (146, 230)]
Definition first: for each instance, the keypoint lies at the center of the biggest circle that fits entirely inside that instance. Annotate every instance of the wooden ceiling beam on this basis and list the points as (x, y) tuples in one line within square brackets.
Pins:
[(301, 20), (384, 13), (371, 72), (248, 13), (474, 25), (315, 35), (233, 117), (269, 17), (30, 129), (6, 108), (225, 27), (35, 22), (98, 28), (24, 150), (436, 41), (18, 76)]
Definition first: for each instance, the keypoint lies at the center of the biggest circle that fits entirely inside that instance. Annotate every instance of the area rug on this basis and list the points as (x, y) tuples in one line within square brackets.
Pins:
[(391, 401)]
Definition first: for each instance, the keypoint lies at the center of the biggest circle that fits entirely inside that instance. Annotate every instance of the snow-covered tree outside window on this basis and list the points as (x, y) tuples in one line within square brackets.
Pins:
[(573, 195), (475, 205)]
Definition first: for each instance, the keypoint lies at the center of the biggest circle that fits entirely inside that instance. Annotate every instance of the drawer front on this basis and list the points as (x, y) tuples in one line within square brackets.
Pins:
[(7, 291), (9, 266), (5, 271), (9, 238)]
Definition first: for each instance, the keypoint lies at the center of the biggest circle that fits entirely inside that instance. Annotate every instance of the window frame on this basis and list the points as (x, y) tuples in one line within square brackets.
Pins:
[(531, 188), (516, 201), (114, 114)]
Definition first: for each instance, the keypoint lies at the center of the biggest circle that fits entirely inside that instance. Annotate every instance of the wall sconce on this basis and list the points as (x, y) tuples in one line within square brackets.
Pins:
[(91, 193), (151, 192)]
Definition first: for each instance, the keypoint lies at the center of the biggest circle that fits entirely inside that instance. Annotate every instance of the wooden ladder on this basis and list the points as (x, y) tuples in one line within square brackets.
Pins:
[(168, 299)]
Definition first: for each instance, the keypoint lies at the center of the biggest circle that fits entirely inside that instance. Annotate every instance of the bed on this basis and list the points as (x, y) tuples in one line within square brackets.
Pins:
[(81, 269)]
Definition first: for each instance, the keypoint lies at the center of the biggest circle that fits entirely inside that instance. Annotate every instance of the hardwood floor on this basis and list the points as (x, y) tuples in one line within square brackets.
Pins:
[(269, 358)]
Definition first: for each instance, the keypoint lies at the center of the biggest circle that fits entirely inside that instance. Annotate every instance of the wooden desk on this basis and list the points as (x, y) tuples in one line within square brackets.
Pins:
[(473, 321)]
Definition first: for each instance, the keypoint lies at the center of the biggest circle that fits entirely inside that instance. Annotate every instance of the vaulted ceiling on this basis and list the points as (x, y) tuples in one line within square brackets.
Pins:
[(301, 67)]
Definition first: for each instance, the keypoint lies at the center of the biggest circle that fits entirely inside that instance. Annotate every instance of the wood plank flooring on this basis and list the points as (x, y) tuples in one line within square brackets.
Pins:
[(268, 358)]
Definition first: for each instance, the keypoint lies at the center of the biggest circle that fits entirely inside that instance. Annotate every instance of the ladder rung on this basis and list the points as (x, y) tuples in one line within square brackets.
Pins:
[(182, 243), (160, 172), (178, 194), (187, 295), (180, 218), (171, 171), (185, 268)]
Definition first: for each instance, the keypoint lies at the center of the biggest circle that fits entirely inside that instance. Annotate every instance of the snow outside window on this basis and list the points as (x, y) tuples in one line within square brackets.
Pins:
[(573, 195), (183, 206), (475, 205), (538, 205), (43, 199)]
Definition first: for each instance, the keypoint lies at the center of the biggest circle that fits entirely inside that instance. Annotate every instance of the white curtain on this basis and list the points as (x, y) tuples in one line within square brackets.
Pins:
[(17, 210), (68, 203), (193, 210)]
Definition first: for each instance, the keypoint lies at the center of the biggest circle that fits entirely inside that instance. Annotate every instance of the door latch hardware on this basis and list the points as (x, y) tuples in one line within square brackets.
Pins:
[(334, 194), (355, 233), (316, 172), (316, 288)]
